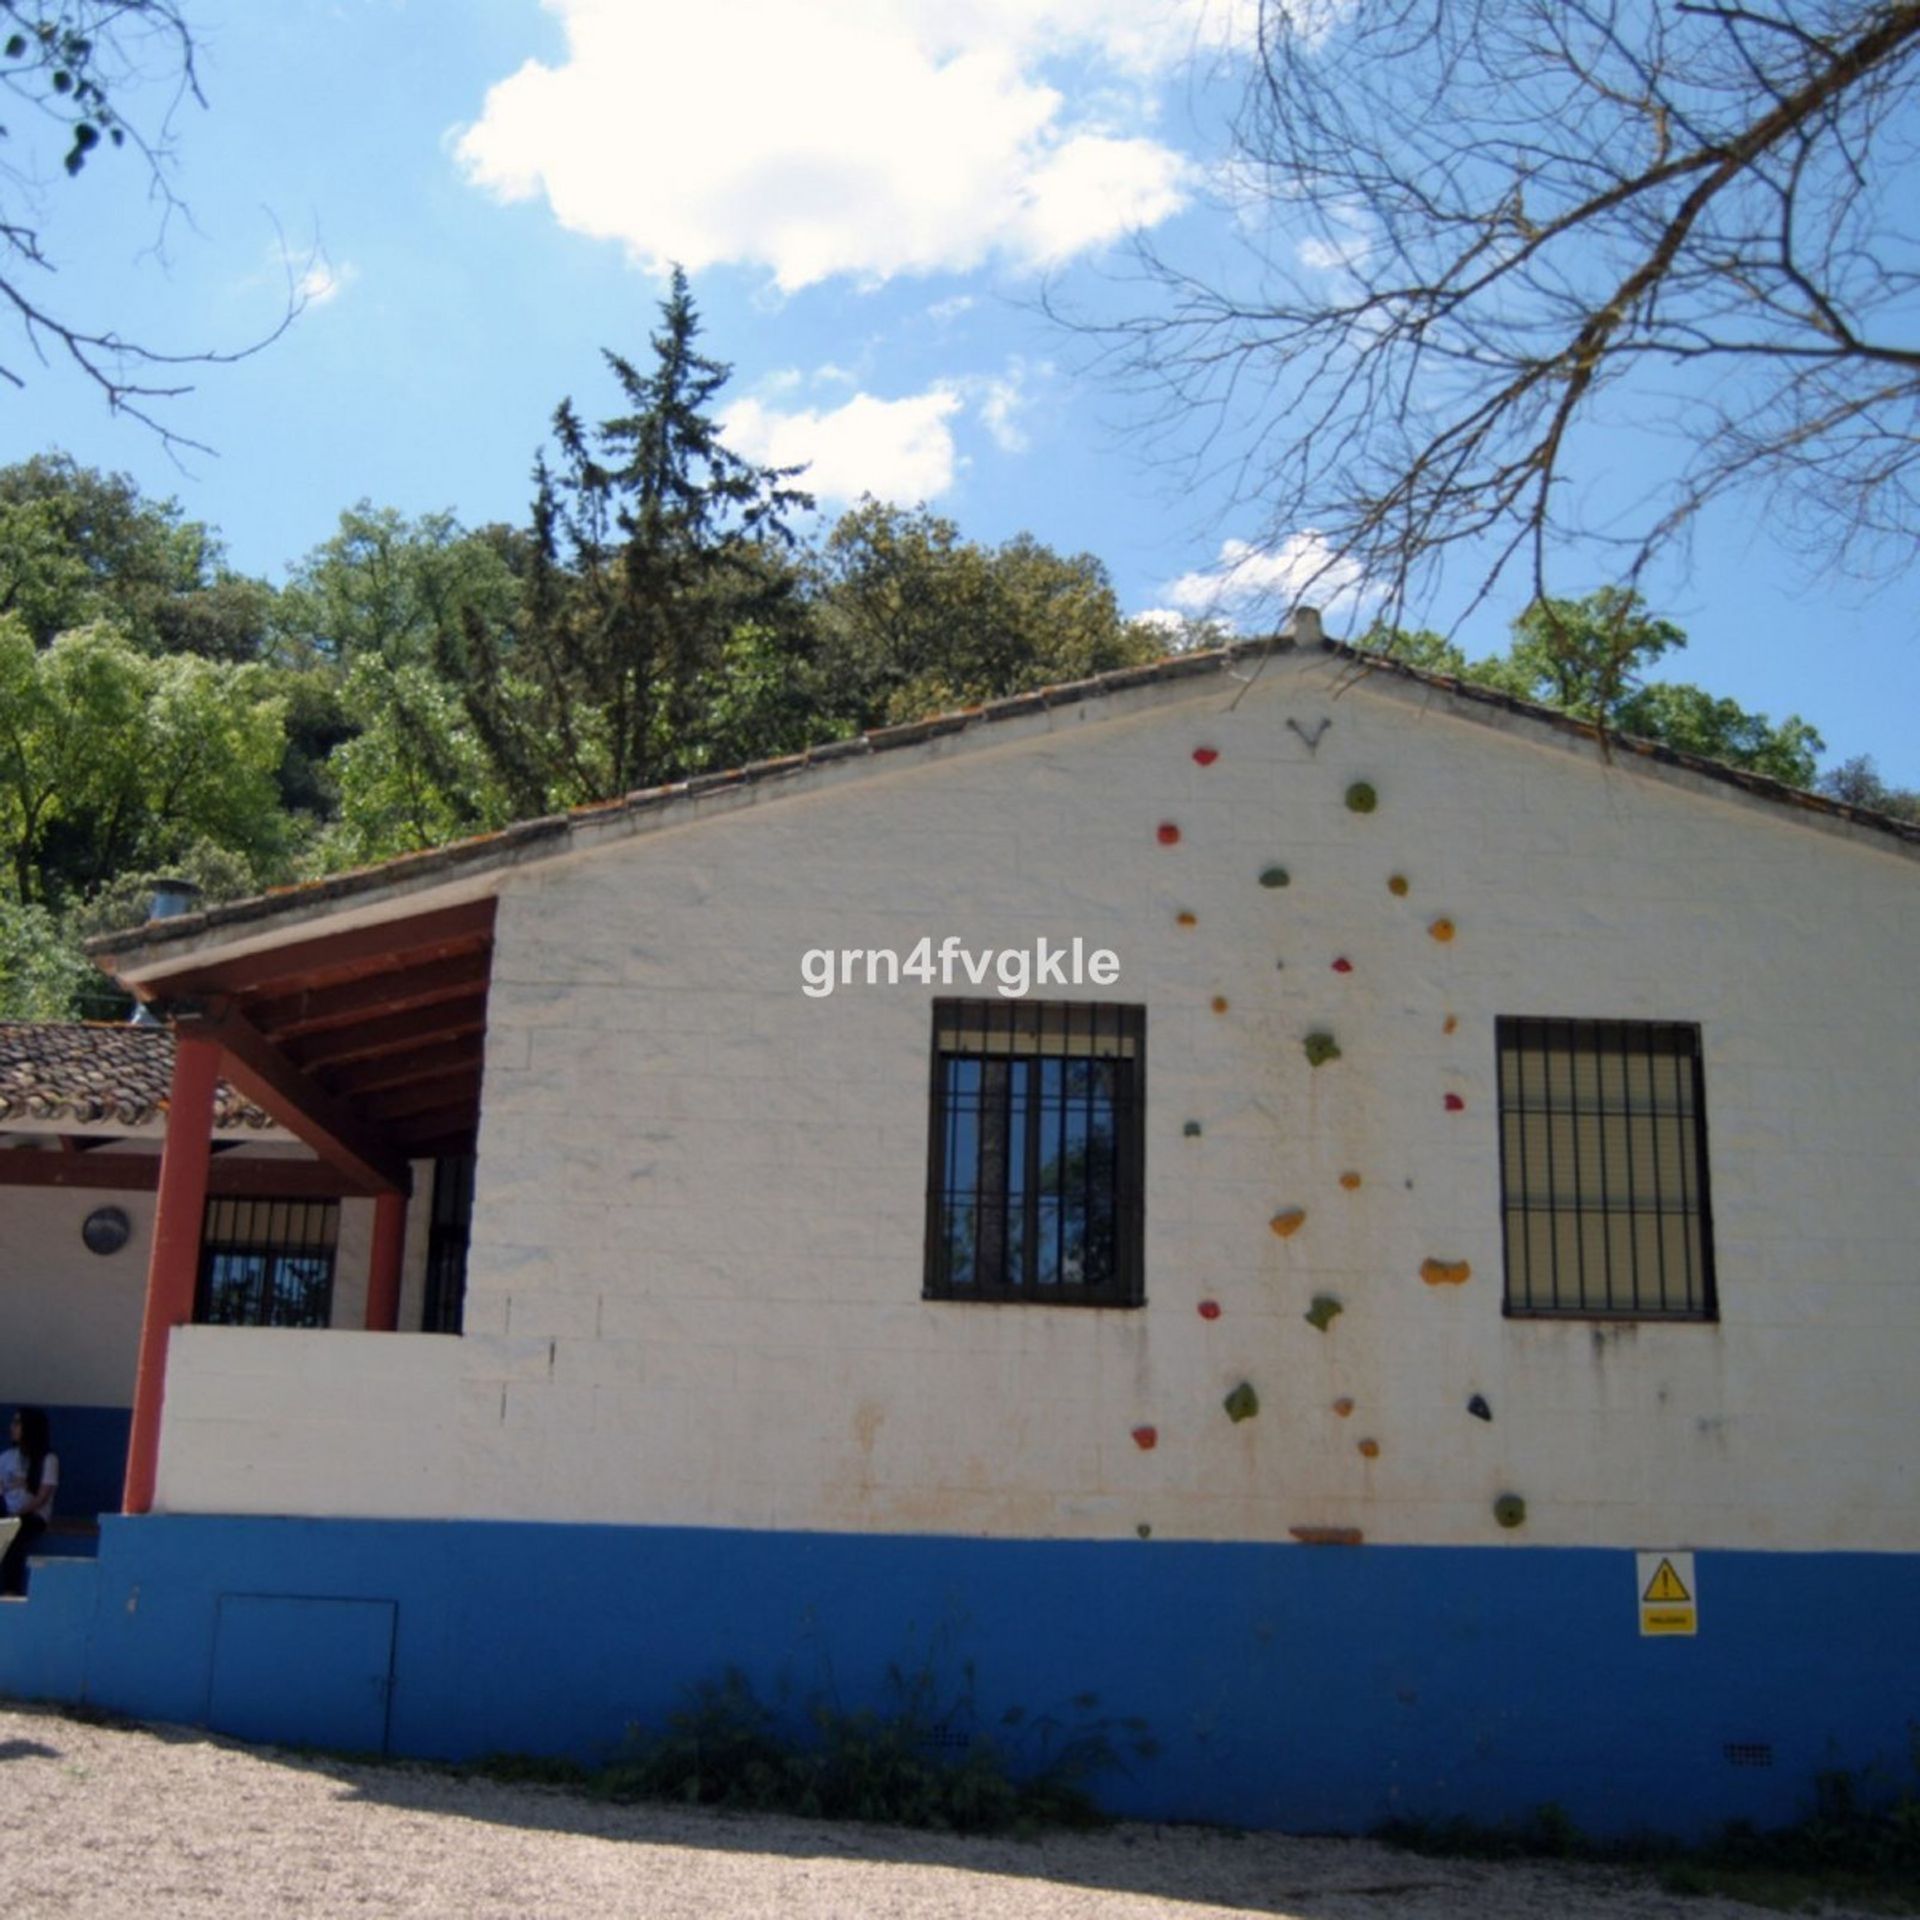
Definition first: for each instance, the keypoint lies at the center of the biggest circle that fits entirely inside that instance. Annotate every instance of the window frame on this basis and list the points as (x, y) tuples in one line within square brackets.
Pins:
[(271, 1247), (1126, 1025), (1679, 1040)]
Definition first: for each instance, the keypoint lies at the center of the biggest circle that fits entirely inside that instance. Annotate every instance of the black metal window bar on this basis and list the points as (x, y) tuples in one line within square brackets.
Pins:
[(267, 1263), (1036, 1146), (1603, 1161), (447, 1237)]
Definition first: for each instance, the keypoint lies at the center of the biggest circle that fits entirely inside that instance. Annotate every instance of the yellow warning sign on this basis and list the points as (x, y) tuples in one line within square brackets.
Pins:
[(1668, 1595), (1666, 1584)]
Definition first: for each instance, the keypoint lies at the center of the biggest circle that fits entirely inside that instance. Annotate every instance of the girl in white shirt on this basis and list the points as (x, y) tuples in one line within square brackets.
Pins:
[(29, 1477)]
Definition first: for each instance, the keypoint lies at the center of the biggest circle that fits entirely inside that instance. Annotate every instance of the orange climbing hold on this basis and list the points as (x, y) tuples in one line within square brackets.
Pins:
[(1351, 1181), (1445, 1273), (1219, 1003), (1186, 919), (1450, 1024), (1343, 1406), (1370, 1449), (1288, 1223), (1442, 930), (1397, 886)]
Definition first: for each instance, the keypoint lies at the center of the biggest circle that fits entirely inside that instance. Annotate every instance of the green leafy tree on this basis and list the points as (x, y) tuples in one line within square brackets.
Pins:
[(77, 545), (1858, 783), (1588, 657), (43, 973), (653, 545), (377, 736), (111, 757), (914, 619)]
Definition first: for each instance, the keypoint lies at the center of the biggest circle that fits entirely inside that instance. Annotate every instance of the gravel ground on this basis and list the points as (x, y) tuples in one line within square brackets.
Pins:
[(159, 1821)]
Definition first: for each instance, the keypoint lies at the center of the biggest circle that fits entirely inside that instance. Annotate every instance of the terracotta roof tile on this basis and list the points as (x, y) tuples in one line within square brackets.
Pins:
[(93, 1074)]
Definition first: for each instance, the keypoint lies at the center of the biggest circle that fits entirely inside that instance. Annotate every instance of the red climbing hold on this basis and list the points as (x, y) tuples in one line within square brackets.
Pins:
[(1209, 1309), (1146, 1438), (1205, 756), (1343, 965), (1455, 1104), (1169, 834)]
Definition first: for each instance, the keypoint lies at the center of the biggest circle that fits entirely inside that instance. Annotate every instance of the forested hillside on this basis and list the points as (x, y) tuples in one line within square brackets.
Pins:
[(667, 607)]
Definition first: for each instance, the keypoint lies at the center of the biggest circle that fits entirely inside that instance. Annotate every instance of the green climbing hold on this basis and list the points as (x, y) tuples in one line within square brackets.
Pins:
[(1324, 1311), (1192, 1129), (1242, 1403), (1276, 877), (1361, 798), (1510, 1510), (1320, 1048)]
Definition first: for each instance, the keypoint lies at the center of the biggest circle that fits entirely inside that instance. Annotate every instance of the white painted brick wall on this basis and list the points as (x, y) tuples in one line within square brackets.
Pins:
[(701, 1193)]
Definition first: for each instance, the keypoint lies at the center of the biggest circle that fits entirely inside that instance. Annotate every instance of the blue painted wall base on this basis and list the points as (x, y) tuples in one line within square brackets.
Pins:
[(1319, 1690)]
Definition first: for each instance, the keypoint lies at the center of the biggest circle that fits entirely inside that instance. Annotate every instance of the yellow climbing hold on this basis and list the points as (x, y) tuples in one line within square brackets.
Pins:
[(1287, 1224), (1442, 930), (1445, 1273), (1351, 1181)]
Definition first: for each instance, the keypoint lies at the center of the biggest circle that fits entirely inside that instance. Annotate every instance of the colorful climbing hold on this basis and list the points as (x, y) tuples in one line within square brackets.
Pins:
[(1219, 1003), (1351, 1181), (1275, 877), (1442, 930), (1169, 834), (1370, 1449), (1146, 1438), (1205, 756), (1445, 1273), (1510, 1510), (1397, 886), (1454, 1104), (1209, 1309), (1242, 1403), (1361, 798), (1343, 965), (1478, 1407), (1324, 1312), (1289, 1222), (1320, 1048), (1185, 918), (1343, 1406)]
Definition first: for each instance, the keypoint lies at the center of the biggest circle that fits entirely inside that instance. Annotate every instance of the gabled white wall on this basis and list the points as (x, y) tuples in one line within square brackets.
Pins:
[(695, 1286)]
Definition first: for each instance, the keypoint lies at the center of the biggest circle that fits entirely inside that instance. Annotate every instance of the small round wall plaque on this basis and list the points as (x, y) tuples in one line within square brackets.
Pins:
[(107, 1230)]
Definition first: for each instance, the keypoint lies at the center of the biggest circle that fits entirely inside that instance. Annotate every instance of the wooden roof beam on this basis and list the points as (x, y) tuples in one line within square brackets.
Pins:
[(140, 1173), (260, 1072), (374, 1039), (316, 1009)]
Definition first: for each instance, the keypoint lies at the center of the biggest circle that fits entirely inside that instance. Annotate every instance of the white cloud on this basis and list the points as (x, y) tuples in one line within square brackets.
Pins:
[(1302, 568), (1001, 399), (895, 449), (861, 137)]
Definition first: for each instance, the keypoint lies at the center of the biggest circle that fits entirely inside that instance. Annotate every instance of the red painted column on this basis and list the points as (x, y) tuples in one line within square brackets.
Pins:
[(383, 1270), (173, 1271)]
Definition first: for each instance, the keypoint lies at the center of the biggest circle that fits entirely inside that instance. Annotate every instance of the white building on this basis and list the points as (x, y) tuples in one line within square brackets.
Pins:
[(1481, 1163)]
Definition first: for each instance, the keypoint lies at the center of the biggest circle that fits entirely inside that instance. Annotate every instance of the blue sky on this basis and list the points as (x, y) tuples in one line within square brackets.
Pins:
[(869, 195)]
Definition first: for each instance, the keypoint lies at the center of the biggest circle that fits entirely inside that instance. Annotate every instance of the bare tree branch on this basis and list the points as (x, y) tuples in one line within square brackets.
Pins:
[(70, 67), (1486, 227)]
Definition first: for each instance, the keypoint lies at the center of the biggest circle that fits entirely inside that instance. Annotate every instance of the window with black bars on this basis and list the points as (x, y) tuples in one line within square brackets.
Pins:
[(1035, 1153), (267, 1263), (447, 1236), (1603, 1159)]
